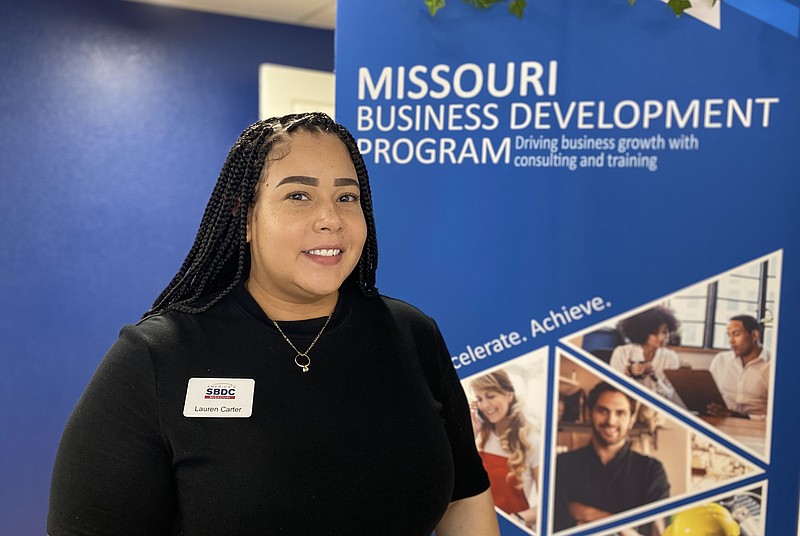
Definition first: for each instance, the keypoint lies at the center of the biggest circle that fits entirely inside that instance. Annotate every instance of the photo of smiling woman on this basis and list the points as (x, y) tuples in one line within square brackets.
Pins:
[(508, 445), (259, 394)]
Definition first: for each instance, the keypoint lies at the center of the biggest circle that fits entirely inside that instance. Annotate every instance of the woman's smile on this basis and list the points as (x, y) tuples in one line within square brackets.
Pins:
[(324, 256), (493, 405)]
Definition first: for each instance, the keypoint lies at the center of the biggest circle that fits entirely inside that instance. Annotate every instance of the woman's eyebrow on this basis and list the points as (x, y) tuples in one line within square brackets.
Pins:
[(299, 179), (345, 182), (313, 181)]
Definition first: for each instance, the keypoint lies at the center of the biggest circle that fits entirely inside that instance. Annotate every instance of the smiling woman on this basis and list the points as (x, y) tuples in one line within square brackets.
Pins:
[(208, 416), (508, 445), (306, 229)]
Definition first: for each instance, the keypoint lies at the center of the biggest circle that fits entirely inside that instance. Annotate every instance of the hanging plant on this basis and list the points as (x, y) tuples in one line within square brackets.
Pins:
[(678, 6), (517, 7)]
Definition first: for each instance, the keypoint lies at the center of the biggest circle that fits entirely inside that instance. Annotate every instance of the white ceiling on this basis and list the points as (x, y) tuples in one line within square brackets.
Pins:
[(313, 13)]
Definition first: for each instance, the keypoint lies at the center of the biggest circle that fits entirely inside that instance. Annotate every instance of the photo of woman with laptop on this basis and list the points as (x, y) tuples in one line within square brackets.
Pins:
[(707, 349)]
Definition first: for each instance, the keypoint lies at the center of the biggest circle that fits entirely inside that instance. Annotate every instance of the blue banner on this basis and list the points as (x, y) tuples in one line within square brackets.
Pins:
[(544, 184)]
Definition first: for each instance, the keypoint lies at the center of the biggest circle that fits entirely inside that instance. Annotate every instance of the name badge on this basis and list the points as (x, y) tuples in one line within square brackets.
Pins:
[(219, 397)]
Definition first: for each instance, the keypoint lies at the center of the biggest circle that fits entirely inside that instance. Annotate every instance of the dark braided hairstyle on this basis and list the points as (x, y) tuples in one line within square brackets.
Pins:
[(220, 256)]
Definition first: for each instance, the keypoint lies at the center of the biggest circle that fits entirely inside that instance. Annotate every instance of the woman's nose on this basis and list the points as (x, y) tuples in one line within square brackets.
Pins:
[(328, 217)]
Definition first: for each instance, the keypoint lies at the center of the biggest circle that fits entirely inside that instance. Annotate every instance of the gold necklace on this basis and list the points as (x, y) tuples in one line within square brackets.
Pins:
[(303, 364)]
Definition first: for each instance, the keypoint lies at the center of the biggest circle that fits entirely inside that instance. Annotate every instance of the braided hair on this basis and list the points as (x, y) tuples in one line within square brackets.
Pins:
[(220, 256)]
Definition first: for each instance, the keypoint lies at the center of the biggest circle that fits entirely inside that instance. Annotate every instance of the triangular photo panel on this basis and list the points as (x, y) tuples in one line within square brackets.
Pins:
[(706, 351), (508, 406), (616, 454), (741, 512)]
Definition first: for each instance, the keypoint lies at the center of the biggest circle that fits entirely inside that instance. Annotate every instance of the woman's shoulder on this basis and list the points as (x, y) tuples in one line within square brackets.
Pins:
[(174, 326), (668, 354), (621, 355), (165, 324), (134, 351), (409, 320), (535, 441), (416, 332), (493, 445), (405, 315), (154, 332), (402, 308)]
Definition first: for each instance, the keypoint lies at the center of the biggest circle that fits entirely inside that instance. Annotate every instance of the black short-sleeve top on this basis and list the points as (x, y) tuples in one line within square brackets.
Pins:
[(374, 439)]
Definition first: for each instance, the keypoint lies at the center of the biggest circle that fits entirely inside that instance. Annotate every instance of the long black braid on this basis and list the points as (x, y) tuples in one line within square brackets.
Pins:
[(220, 256)]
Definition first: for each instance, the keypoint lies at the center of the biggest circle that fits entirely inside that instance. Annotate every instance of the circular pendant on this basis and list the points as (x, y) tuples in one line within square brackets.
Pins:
[(302, 361)]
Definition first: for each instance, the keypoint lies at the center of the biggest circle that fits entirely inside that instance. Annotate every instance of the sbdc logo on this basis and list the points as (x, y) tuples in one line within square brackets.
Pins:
[(221, 391)]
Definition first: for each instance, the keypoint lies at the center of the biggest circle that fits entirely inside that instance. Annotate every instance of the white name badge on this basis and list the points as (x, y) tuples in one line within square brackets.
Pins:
[(219, 397)]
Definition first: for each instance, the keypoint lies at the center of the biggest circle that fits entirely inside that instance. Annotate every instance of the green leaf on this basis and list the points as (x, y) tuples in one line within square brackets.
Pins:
[(631, 2), (517, 7), (679, 6), (483, 4), (434, 6)]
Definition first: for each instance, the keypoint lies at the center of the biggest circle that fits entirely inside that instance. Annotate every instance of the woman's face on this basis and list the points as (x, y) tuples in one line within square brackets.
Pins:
[(659, 338), (306, 229), (493, 405)]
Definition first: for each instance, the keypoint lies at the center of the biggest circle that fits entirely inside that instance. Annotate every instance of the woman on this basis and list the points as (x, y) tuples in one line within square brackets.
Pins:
[(270, 389), (646, 358), (508, 445)]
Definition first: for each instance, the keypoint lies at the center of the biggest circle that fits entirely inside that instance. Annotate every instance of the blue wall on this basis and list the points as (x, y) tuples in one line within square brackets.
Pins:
[(115, 118)]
